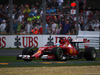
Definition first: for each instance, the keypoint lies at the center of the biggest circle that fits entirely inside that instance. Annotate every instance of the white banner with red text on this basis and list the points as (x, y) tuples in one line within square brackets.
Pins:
[(21, 41)]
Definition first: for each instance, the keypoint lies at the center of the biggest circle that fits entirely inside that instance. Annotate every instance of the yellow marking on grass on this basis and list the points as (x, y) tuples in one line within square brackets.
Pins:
[(3, 63), (46, 62), (60, 62)]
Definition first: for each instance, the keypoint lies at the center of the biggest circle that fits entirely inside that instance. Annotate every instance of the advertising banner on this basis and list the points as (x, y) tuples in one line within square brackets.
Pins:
[(21, 41)]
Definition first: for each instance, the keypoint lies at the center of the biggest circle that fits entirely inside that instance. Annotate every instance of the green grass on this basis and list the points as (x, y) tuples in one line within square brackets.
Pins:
[(13, 59)]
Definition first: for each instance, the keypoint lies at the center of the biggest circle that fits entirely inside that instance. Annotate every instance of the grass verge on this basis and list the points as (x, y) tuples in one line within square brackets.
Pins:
[(13, 59)]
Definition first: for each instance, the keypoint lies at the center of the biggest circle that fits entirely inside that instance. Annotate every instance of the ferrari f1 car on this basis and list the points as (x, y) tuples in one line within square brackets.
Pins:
[(63, 50)]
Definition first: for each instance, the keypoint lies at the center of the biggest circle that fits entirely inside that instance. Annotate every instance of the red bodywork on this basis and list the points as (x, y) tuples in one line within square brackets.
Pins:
[(65, 45)]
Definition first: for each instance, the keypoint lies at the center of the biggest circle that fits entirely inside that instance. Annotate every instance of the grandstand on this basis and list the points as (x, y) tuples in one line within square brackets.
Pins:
[(27, 15)]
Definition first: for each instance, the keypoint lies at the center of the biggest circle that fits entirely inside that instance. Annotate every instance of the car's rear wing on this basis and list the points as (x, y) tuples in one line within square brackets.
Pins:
[(85, 41)]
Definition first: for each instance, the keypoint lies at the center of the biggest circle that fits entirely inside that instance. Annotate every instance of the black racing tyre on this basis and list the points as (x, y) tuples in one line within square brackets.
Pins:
[(90, 53), (58, 53), (28, 51)]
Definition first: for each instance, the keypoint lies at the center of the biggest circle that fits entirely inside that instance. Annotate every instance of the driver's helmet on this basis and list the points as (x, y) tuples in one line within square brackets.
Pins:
[(57, 44), (61, 40)]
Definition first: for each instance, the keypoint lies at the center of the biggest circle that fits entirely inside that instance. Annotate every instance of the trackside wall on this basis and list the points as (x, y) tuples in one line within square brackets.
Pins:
[(21, 41)]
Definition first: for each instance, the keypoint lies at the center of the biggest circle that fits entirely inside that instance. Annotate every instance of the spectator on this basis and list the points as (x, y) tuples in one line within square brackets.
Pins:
[(54, 26), (38, 16), (81, 21), (72, 29), (19, 27), (48, 17), (60, 3), (96, 24), (99, 28), (7, 26), (53, 9), (66, 9), (36, 10), (20, 17), (90, 28), (55, 4), (21, 8), (0, 20), (46, 30), (37, 5), (36, 25), (27, 10), (31, 17), (56, 21), (15, 25), (3, 26), (41, 12), (89, 14), (32, 8), (50, 3), (28, 27), (23, 26), (32, 13), (62, 25), (15, 14), (70, 18), (34, 31), (49, 27), (40, 29), (66, 26), (48, 11), (58, 29)]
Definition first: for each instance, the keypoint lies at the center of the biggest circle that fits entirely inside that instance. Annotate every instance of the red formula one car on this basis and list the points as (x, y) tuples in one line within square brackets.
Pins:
[(64, 50)]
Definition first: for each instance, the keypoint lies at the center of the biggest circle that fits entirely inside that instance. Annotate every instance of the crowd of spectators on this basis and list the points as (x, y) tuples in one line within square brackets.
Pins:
[(27, 19)]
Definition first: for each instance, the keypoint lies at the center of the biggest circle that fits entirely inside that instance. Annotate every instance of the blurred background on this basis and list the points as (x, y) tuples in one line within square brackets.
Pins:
[(49, 16)]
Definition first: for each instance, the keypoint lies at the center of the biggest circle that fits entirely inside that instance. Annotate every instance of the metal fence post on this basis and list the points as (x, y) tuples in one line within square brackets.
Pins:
[(44, 15), (77, 16), (84, 14), (11, 19), (99, 40)]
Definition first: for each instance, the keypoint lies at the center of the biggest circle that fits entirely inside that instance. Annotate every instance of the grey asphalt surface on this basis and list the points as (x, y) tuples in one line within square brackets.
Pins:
[(15, 52), (8, 52)]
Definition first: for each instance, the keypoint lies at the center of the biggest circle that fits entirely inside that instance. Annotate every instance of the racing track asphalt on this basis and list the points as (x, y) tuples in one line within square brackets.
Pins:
[(48, 63), (15, 52)]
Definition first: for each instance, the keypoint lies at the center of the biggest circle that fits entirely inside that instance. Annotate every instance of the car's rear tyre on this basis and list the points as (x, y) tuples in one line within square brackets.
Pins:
[(58, 53), (90, 54), (28, 51)]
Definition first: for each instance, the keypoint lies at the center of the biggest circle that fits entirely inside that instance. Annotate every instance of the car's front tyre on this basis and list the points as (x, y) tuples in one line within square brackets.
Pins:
[(58, 53), (28, 51)]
